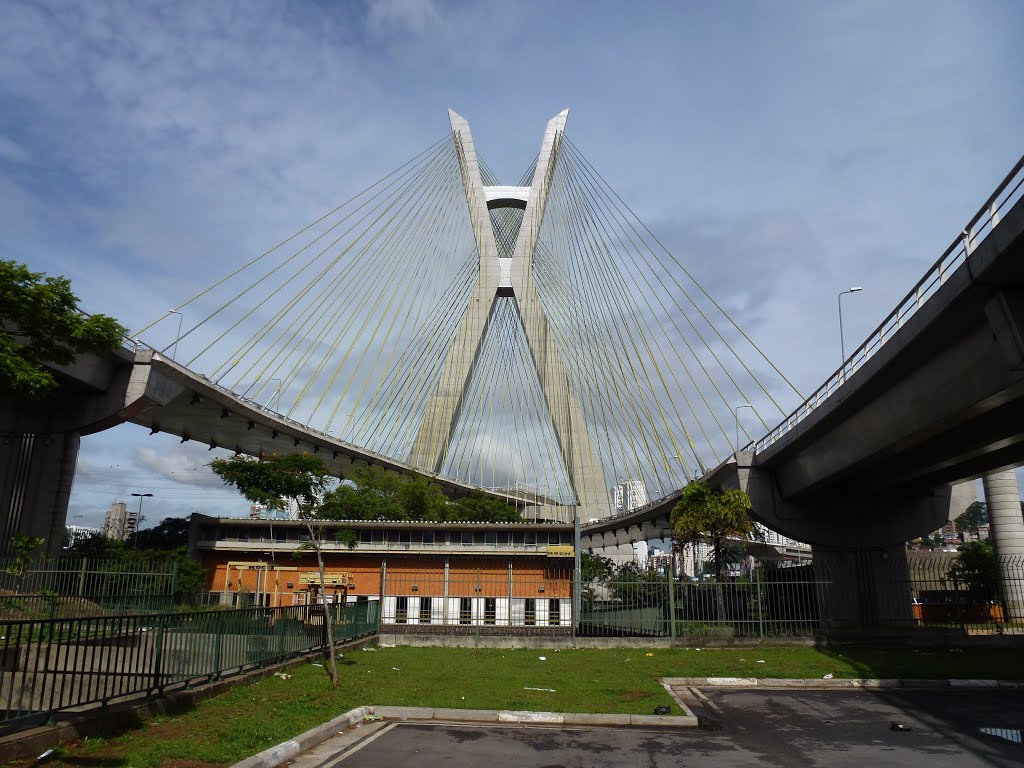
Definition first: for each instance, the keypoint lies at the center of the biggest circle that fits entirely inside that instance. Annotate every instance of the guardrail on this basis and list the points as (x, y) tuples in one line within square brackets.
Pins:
[(978, 228)]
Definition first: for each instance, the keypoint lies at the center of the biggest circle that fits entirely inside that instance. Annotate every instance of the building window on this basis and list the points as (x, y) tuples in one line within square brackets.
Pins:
[(465, 610), (426, 609), (531, 538), (428, 537), (491, 538), (467, 538), (401, 610), (554, 613), (490, 610), (530, 612)]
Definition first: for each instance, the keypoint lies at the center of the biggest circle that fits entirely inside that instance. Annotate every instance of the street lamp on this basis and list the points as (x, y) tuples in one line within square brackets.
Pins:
[(276, 397), (682, 464), (178, 334), (736, 411), (138, 521), (842, 342)]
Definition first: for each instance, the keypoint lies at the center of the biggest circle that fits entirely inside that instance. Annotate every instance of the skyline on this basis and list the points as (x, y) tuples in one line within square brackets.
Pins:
[(805, 149)]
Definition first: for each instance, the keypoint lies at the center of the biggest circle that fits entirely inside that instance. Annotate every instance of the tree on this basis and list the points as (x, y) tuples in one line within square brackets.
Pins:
[(973, 517), (278, 481), (23, 552), (172, 533), (42, 324), (977, 569), (704, 513)]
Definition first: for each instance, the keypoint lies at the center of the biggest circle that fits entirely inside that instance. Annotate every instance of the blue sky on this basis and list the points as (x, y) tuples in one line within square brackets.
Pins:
[(783, 150)]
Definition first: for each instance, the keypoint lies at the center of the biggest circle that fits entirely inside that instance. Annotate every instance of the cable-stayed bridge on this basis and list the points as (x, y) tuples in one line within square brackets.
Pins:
[(538, 342)]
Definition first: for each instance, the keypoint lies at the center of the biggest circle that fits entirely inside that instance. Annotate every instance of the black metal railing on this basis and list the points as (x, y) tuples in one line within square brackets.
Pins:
[(62, 664)]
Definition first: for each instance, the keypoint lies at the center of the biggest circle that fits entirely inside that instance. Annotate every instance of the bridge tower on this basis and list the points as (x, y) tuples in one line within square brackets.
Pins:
[(511, 276)]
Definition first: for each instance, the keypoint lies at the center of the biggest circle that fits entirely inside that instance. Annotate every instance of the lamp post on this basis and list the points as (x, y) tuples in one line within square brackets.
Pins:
[(178, 334), (842, 342), (138, 521), (736, 411), (276, 397), (682, 465)]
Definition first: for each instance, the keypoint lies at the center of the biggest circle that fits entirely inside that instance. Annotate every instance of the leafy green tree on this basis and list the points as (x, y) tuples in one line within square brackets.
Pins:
[(23, 550), (478, 507), (171, 533), (277, 482), (977, 570), (705, 513), (41, 324), (973, 517), (594, 571)]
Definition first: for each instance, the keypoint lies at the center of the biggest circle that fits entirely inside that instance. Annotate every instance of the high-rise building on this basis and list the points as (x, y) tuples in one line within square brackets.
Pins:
[(76, 533), (119, 523), (630, 495)]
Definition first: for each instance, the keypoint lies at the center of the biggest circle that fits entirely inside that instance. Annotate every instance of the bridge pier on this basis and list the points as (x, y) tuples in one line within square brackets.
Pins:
[(1002, 497), (36, 472), (867, 587)]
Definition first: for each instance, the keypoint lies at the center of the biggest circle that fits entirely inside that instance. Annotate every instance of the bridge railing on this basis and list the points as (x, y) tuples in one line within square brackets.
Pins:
[(1008, 192)]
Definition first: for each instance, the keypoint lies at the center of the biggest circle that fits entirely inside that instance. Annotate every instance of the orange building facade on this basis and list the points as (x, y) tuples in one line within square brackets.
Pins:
[(425, 577)]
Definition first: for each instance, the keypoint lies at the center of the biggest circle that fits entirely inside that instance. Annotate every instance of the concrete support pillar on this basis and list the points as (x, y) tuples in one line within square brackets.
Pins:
[(865, 589), (36, 472), (1002, 497)]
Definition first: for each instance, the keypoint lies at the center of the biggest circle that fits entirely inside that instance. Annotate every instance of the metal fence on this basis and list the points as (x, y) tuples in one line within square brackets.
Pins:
[(79, 587), (51, 665), (938, 592), (785, 602), (979, 595)]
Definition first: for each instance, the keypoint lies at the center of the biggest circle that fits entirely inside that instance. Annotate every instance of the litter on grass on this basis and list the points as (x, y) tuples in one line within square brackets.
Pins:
[(284, 676), (317, 665), (827, 677), (548, 690), (649, 654), (396, 669), (543, 658)]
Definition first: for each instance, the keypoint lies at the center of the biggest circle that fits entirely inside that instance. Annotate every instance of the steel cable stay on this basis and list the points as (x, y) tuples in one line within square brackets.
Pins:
[(634, 218), (330, 292), (291, 237), (712, 380), (279, 288), (605, 261)]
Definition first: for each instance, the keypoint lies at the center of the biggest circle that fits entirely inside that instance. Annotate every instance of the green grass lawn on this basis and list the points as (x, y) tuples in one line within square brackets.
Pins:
[(250, 718)]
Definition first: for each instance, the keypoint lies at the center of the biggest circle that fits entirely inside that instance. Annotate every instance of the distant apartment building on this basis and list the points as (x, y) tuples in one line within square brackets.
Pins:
[(76, 533), (630, 495), (120, 524)]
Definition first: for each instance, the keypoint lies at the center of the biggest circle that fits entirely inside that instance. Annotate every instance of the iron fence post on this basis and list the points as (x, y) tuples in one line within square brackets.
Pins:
[(217, 640), (760, 606), (671, 601)]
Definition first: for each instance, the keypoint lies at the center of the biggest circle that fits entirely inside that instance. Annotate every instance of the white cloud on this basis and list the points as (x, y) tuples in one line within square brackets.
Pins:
[(185, 464)]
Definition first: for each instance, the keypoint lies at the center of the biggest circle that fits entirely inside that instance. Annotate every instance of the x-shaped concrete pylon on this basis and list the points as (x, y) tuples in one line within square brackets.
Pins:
[(511, 277)]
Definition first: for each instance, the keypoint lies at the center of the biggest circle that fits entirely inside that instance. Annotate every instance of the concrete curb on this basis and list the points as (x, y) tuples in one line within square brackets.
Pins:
[(835, 683), (276, 755), (287, 750), (687, 720)]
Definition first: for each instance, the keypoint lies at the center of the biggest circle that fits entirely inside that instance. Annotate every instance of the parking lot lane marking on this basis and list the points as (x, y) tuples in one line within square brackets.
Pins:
[(352, 750)]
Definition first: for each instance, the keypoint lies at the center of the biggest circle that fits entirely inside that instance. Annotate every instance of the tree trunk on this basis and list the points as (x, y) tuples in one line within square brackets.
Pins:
[(719, 589), (314, 537)]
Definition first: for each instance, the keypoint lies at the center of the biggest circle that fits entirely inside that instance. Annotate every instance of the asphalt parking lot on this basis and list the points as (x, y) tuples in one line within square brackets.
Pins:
[(742, 728)]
